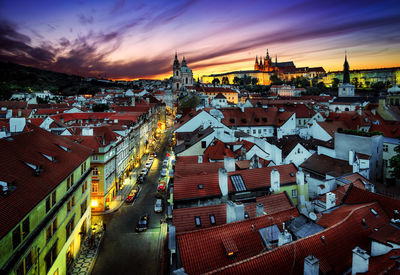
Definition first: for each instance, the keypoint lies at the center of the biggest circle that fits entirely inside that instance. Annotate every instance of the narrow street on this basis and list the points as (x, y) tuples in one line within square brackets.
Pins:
[(123, 250)]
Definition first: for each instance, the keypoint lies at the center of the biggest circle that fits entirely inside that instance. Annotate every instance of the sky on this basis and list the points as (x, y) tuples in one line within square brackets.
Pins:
[(124, 39)]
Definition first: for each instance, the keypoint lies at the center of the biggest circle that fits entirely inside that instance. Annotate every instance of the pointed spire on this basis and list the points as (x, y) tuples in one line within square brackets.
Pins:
[(176, 61), (256, 59), (346, 70), (183, 61), (267, 57), (276, 60)]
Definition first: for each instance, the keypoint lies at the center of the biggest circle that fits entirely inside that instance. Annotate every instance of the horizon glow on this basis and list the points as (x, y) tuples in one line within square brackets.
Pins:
[(138, 39)]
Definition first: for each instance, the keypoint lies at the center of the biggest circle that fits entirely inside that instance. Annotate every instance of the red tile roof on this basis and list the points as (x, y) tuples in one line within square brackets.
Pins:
[(334, 252), (184, 218), (203, 250), (392, 131), (388, 233), (218, 151), (273, 204), (325, 165), (356, 195), (261, 177), (234, 117), (30, 189)]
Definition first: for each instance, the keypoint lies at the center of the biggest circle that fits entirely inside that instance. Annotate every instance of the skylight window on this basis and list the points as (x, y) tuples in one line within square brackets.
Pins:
[(33, 166), (212, 219), (64, 148), (375, 213), (238, 183), (200, 186), (48, 157), (197, 221)]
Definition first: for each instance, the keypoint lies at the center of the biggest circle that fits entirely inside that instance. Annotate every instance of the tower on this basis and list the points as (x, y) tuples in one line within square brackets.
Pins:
[(256, 66), (346, 89), (346, 72), (176, 68)]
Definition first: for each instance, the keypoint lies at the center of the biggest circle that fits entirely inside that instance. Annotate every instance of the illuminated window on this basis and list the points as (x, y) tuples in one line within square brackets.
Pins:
[(83, 207), (25, 265), (53, 198), (84, 187), (95, 187), (70, 227), (16, 237), (95, 171), (70, 181)]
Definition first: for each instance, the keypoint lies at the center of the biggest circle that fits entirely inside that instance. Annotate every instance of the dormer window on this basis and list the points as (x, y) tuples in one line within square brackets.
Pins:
[(197, 221), (64, 148), (200, 186), (373, 211), (212, 219)]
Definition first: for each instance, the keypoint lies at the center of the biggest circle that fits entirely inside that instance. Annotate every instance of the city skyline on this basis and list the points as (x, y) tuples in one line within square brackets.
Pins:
[(129, 40)]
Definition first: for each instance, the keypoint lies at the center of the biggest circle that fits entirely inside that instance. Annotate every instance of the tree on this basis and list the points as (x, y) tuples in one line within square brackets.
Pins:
[(355, 82), (395, 163), (236, 80), (254, 81), (314, 82), (275, 80), (190, 101), (216, 81), (225, 80), (335, 83)]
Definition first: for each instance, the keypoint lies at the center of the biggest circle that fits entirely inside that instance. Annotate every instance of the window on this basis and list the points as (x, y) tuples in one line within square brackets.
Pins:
[(212, 219), (298, 150), (70, 181), (385, 147), (69, 205), (197, 221), (51, 229), (25, 228), (70, 227), (51, 256), (16, 237), (203, 144), (48, 204), (82, 170), (254, 131), (294, 193), (25, 265), (95, 187), (385, 163), (95, 157), (73, 200), (53, 198), (96, 171), (83, 207), (259, 131), (84, 187)]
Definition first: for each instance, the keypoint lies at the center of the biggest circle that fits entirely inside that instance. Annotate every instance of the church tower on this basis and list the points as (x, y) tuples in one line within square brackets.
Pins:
[(176, 69), (256, 66), (346, 89)]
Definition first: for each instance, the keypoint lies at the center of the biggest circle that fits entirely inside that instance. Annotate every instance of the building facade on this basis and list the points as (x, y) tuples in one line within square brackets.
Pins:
[(182, 74)]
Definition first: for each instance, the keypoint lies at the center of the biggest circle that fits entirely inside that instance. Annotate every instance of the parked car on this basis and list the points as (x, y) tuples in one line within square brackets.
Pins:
[(165, 162), (144, 172), (132, 195), (158, 206), (163, 172), (154, 155), (148, 164), (143, 223), (140, 179)]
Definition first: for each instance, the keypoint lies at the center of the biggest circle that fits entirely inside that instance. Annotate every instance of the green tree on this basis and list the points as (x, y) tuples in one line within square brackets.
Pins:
[(254, 81), (335, 83), (395, 163), (314, 82), (190, 101), (275, 80)]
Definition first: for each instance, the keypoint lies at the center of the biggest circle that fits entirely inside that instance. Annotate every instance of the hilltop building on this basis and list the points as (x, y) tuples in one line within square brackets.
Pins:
[(182, 74), (264, 68)]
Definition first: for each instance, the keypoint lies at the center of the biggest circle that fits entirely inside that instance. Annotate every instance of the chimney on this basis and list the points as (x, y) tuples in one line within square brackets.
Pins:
[(359, 111), (242, 108), (133, 101), (311, 265), (229, 164), (275, 181), (199, 159), (260, 209), (330, 200), (147, 99), (87, 132), (279, 133), (17, 124), (234, 212), (284, 237), (373, 111), (223, 181), (301, 189), (360, 261), (19, 112), (351, 157)]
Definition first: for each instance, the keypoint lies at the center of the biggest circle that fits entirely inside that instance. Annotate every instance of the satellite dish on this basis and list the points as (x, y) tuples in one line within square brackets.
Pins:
[(312, 216), (216, 113)]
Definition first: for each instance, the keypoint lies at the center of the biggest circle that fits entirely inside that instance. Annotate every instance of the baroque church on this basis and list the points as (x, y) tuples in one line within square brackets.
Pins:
[(182, 74), (346, 88)]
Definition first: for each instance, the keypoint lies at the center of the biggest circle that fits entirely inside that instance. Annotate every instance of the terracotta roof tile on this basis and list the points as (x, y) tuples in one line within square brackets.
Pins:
[(334, 252), (218, 151), (31, 189), (203, 250), (325, 165), (274, 203)]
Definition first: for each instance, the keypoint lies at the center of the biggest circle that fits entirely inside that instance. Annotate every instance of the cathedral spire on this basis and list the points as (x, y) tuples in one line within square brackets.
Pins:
[(183, 61), (176, 61), (346, 70), (267, 57), (276, 60)]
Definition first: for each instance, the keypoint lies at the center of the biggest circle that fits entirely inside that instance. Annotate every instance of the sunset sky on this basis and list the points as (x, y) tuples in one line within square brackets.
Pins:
[(138, 39)]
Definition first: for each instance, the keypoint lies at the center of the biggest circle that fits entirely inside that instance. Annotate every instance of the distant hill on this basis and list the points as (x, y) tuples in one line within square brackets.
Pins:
[(18, 78)]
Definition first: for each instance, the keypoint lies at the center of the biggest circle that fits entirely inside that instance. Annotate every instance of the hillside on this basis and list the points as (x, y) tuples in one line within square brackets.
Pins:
[(18, 78)]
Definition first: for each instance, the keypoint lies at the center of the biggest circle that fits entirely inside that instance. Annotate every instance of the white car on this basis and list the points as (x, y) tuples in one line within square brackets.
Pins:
[(165, 162), (163, 172), (148, 164), (143, 172), (158, 206)]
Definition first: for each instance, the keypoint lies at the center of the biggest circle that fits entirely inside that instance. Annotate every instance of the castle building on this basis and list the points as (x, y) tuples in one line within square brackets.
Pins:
[(182, 74), (264, 68), (346, 89)]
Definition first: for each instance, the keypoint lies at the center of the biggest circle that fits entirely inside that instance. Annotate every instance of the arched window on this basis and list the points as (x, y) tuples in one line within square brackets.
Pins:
[(186, 80), (177, 73), (177, 86)]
